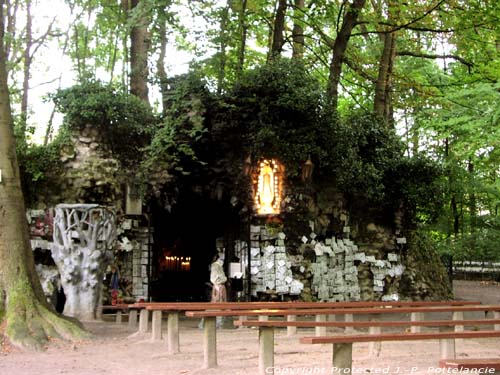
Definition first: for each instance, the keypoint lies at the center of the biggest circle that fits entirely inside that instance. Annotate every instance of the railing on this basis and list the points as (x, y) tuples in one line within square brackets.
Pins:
[(476, 269)]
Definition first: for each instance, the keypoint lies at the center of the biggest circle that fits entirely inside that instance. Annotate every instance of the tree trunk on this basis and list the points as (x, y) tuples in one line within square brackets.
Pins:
[(11, 17), (298, 30), (139, 48), (160, 63), (242, 31), (28, 318), (222, 47), (453, 197), (382, 103), (26, 71), (278, 30), (339, 47), (472, 197)]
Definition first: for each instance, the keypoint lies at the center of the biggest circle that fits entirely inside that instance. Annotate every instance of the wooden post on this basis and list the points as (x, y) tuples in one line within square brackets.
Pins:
[(458, 315), (132, 318), (266, 350), (242, 318), (143, 321), (291, 331), (210, 343), (374, 347), (496, 315), (416, 317), (118, 317), (98, 312), (156, 325), (342, 359), (349, 318), (446, 346), (173, 332), (320, 331)]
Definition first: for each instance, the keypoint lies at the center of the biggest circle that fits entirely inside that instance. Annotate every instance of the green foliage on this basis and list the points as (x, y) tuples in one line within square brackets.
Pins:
[(275, 112), (39, 163), (479, 245), (363, 148), (418, 183), (173, 146), (124, 122)]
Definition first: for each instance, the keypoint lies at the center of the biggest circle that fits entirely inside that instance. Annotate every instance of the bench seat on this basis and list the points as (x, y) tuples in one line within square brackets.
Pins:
[(342, 344)]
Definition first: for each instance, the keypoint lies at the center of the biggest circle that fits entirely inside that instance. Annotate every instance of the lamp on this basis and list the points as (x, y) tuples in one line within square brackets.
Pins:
[(307, 170)]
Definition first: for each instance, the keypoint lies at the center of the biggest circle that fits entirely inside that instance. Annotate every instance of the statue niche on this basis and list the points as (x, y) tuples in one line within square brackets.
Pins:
[(269, 185), (83, 239)]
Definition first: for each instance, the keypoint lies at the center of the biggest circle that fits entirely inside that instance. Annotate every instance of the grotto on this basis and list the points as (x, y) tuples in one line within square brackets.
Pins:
[(292, 204)]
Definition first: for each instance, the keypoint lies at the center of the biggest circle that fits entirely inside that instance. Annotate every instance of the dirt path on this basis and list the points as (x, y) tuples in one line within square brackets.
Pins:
[(113, 352)]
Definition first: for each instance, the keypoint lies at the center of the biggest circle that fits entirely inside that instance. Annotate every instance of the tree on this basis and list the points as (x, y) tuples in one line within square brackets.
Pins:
[(29, 320), (139, 49), (298, 30), (278, 38), (339, 48)]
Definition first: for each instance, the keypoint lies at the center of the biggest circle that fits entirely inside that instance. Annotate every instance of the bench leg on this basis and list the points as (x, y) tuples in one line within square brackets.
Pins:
[(118, 317), (132, 319), (374, 347), (458, 315), (496, 315), (242, 318), (349, 318), (291, 331), (416, 317), (263, 318), (143, 321), (342, 359), (173, 332), (156, 325), (266, 350), (98, 312), (446, 346), (210, 343), (320, 331)]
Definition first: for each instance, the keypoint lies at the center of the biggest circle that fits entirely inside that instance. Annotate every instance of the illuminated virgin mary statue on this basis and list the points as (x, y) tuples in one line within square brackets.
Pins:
[(267, 197)]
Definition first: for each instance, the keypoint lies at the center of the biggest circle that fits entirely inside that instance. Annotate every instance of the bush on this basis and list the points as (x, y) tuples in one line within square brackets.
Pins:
[(124, 121)]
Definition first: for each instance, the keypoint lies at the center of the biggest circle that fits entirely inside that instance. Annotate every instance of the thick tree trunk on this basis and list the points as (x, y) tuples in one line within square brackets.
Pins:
[(278, 30), (382, 103), (139, 49), (298, 30), (29, 320), (338, 50)]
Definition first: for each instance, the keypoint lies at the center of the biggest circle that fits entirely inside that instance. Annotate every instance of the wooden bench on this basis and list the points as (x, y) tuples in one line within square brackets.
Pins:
[(342, 345), (471, 364), (174, 308), (267, 328), (119, 308), (210, 350)]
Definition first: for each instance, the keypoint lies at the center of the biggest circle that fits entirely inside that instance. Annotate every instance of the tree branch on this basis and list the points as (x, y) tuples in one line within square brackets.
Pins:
[(433, 56)]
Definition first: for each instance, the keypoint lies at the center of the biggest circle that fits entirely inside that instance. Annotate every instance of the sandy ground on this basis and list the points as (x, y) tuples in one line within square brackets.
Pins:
[(112, 351)]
